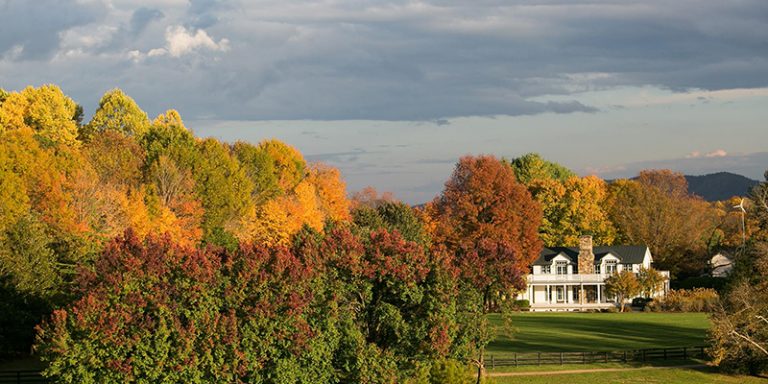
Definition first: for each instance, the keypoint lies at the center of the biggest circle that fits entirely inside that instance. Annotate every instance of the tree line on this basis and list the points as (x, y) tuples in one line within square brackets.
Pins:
[(145, 253)]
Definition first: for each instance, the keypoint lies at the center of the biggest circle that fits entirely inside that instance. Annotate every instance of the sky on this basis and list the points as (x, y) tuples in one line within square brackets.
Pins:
[(395, 92)]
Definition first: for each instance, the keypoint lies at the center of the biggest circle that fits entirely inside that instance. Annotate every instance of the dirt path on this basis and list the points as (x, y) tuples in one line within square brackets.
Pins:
[(572, 371)]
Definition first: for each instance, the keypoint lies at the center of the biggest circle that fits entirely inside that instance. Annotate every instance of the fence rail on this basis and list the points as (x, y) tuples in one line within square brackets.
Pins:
[(22, 377), (561, 358)]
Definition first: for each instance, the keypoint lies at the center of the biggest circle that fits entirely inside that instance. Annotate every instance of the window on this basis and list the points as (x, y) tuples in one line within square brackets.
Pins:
[(610, 266), (597, 268), (561, 267), (560, 294), (627, 267), (547, 269)]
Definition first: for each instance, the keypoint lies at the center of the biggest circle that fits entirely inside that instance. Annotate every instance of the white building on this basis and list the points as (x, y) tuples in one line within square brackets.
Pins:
[(573, 279)]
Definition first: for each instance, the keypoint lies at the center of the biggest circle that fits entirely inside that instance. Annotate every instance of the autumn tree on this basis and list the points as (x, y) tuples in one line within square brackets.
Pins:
[(658, 211), (739, 332), (651, 281), (371, 198), (490, 222), (623, 285), (46, 110), (117, 158), (117, 112), (573, 208)]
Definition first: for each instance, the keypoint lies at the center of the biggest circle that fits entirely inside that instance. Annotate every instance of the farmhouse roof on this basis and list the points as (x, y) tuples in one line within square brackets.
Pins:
[(627, 254)]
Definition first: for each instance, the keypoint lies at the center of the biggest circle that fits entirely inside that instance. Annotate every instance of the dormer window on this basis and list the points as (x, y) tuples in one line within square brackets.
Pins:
[(610, 267), (561, 267)]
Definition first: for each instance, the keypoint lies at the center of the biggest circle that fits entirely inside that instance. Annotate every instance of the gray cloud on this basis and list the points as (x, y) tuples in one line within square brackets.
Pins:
[(32, 29), (397, 60), (142, 17)]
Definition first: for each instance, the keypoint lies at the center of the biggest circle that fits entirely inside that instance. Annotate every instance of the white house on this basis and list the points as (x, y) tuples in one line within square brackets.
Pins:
[(573, 279)]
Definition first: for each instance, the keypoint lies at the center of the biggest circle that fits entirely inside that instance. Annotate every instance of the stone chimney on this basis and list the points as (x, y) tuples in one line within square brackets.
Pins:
[(586, 256)]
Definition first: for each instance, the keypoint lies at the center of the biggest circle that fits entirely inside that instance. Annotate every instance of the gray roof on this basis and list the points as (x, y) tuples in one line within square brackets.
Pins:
[(628, 254)]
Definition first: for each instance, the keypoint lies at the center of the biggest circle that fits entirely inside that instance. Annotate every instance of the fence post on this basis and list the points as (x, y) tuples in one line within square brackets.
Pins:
[(625, 357), (493, 363), (583, 357), (605, 356), (561, 358), (643, 355), (685, 353), (515, 359), (538, 358), (665, 353), (702, 353)]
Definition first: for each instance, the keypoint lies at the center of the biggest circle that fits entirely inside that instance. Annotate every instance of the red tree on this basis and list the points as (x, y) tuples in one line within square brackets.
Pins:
[(490, 222)]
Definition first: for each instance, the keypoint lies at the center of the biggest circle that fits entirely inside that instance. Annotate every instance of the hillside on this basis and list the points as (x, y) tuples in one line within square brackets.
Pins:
[(719, 186)]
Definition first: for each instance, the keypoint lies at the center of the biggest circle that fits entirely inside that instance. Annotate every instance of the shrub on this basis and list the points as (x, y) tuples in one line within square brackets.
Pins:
[(682, 300), (521, 305)]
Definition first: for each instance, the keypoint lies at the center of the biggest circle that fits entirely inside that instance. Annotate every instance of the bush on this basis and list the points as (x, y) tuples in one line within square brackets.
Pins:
[(521, 305), (682, 300)]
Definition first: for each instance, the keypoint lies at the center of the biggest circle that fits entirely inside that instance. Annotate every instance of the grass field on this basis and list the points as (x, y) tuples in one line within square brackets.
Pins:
[(575, 332), (662, 376)]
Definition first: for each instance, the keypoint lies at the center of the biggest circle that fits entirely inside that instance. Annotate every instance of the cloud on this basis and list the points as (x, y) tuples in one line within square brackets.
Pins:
[(387, 60), (180, 42), (717, 153), (32, 30)]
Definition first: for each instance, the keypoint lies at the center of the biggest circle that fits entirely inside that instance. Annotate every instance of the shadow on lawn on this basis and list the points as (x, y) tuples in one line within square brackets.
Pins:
[(577, 332)]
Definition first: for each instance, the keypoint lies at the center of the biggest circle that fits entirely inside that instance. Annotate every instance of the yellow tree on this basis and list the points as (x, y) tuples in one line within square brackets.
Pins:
[(331, 191), (573, 208), (45, 110)]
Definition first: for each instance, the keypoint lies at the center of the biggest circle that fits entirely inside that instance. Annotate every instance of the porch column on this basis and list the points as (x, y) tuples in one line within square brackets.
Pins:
[(549, 295), (581, 293), (567, 296), (598, 294)]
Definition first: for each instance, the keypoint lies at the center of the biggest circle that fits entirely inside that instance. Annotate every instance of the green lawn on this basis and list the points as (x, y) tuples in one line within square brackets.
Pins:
[(665, 376), (575, 332)]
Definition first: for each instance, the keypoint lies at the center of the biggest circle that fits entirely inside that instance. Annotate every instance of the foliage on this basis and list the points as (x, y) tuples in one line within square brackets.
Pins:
[(117, 112), (490, 222), (739, 330), (651, 281), (623, 285), (572, 208), (656, 210), (683, 300), (531, 167), (46, 110)]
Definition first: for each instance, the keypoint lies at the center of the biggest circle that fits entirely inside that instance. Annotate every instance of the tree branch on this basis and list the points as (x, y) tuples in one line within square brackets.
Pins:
[(750, 341)]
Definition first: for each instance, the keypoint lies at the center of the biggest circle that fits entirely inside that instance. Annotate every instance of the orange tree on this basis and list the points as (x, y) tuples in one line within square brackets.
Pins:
[(490, 223)]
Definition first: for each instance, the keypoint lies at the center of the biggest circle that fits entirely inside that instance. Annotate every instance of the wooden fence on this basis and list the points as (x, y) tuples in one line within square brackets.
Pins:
[(515, 360), (22, 377), (561, 358)]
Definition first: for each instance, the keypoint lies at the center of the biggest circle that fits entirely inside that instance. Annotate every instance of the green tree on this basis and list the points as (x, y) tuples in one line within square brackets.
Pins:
[(27, 258), (532, 166), (117, 112), (624, 285)]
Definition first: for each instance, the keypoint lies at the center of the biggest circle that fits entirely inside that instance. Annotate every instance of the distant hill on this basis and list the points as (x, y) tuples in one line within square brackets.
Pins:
[(720, 186)]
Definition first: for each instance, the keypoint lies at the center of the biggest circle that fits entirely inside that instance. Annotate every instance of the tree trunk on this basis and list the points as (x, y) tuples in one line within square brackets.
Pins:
[(481, 361)]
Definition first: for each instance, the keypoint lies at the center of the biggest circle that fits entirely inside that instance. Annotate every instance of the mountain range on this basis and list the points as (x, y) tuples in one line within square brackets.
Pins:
[(720, 185)]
